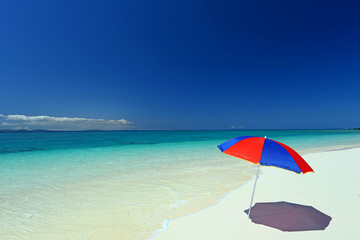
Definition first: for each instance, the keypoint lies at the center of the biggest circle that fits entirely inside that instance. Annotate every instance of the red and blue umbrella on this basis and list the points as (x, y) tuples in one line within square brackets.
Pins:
[(266, 152)]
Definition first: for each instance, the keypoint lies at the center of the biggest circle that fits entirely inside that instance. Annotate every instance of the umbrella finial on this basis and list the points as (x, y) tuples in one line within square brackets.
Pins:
[(265, 136)]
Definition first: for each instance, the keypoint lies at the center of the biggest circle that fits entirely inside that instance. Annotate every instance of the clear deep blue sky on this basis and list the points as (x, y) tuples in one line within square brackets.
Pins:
[(185, 64)]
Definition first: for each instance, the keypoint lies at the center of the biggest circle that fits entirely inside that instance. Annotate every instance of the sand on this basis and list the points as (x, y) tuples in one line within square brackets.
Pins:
[(333, 189)]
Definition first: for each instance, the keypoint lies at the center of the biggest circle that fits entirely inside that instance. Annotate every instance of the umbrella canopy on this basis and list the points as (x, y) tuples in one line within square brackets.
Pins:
[(289, 217), (267, 152)]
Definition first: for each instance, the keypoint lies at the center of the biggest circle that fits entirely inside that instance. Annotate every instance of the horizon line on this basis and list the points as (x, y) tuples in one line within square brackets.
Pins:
[(134, 130)]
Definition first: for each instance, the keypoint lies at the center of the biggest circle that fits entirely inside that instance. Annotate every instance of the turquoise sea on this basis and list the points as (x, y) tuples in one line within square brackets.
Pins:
[(125, 184)]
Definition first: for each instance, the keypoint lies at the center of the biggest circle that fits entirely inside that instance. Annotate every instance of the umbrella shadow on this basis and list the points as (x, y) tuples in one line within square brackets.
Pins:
[(288, 217)]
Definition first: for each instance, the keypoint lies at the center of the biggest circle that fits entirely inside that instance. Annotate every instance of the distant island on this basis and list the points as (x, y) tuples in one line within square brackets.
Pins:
[(23, 130), (44, 130)]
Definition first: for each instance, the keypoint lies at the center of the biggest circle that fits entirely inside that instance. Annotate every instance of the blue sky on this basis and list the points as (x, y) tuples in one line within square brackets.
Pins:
[(179, 64)]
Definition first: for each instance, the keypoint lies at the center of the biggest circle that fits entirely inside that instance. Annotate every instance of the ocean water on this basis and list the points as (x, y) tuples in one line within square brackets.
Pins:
[(126, 184)]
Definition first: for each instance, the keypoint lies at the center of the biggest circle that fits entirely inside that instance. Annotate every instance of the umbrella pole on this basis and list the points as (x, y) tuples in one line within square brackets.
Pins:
[(252, 197)]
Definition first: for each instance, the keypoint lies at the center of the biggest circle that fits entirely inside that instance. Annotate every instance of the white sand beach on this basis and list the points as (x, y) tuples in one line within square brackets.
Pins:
[(333, 189)]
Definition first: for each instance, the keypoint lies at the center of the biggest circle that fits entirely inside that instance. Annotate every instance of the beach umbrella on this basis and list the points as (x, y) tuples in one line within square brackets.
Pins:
[(266, 152)]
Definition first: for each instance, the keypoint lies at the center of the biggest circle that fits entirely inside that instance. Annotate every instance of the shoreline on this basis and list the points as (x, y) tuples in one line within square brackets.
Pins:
[(226, 217), (166, 222)]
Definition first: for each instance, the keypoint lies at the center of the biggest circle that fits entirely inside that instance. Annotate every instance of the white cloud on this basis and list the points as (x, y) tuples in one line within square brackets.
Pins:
[(9, 124), (62, 123), (237, 127), (21, 128)]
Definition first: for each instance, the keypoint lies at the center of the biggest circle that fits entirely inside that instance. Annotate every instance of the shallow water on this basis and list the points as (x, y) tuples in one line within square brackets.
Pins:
[(124, 185)]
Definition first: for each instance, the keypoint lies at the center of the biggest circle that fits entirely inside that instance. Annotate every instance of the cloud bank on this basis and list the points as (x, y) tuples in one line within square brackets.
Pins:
[(60, 123)]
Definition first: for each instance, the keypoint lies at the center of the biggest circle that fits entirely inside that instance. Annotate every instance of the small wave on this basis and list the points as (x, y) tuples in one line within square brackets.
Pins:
[(19, 149)]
